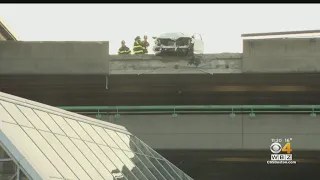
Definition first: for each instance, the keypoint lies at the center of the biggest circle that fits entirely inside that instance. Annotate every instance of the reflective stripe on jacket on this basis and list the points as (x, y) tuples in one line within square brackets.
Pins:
[(137, 48), (124, 50)]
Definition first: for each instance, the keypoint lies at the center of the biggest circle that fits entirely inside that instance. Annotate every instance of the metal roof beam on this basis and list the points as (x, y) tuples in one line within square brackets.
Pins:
[(280, 33)]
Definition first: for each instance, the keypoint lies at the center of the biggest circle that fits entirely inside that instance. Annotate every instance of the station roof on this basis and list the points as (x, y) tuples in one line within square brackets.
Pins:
[(284, 34), (280, 33), (50, 143), (5, 33)]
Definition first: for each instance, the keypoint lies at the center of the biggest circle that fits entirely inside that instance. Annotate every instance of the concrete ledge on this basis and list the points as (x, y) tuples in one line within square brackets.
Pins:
[(18, 57), (150, 64), (92, 58), (292, 55)]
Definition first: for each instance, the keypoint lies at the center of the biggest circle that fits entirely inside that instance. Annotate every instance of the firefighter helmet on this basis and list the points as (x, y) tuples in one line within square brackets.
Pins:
[(137, 38)]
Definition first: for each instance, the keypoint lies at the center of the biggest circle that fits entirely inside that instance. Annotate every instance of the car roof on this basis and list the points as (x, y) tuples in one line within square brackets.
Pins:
[(173, 35)]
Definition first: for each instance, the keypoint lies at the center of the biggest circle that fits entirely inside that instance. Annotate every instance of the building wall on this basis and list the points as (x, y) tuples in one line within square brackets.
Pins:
[(18, 57), (281, 55), (222, 131)]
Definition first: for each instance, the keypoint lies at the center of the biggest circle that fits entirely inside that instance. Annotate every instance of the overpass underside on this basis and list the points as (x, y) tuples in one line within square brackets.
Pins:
[(194, 89)]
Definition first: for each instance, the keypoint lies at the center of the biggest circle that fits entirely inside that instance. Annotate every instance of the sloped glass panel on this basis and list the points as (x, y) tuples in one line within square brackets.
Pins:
[(95, 160), (160, 168), (66, 156), (135, 159), (126, 143), (5, 116), (79, 130), (49, 122), (169, 170), (33, 118), (16, 114), (126, 170), (114, 136), (64, 126), (106, 138), (80, 158), (151, 167), (179, 172), (140, 146), (92, 133), (153, 152), (132, 167), (29, 145), (58, 146), (117, 174)]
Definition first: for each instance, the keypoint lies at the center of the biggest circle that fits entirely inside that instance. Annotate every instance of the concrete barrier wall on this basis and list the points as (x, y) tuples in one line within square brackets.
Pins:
[(267, 55), (259, 56), (281, 55), (150, 64), (18, 57), (222, 131)]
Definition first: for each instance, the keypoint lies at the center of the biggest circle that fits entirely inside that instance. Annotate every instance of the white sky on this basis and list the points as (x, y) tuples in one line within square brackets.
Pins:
[(221, 25)]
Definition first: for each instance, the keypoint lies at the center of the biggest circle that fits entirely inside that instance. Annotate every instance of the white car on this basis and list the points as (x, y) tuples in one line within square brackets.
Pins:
[(178, 44)]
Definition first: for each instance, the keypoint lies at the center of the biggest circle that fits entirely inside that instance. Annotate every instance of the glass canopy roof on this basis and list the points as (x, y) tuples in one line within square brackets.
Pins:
[(50, 143)]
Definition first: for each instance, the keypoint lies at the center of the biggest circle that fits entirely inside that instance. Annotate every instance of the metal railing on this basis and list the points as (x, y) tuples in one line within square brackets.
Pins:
[(197, 109)]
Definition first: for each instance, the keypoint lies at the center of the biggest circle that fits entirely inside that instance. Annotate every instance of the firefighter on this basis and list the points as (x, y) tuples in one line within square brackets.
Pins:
[(124, 49), (137, 46), (145, 44)]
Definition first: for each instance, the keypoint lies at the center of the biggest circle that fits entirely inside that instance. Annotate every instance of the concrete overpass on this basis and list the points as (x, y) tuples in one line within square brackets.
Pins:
[(291, 55), (274, 71), (269, 71)]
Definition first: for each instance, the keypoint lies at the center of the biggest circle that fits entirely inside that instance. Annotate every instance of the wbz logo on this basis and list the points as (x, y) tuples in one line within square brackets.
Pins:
[(276, 148), (281, 157)]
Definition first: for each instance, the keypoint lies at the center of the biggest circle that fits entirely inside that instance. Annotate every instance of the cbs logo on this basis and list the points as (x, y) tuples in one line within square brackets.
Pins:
[(276, 148)]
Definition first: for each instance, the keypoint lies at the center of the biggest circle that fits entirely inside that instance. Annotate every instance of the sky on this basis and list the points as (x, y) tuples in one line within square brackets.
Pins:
[(220, 25)]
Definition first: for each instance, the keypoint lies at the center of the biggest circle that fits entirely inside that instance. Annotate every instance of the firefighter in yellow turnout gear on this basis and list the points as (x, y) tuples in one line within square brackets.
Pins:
[(145, 44), (137, 46), (124, 49)]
